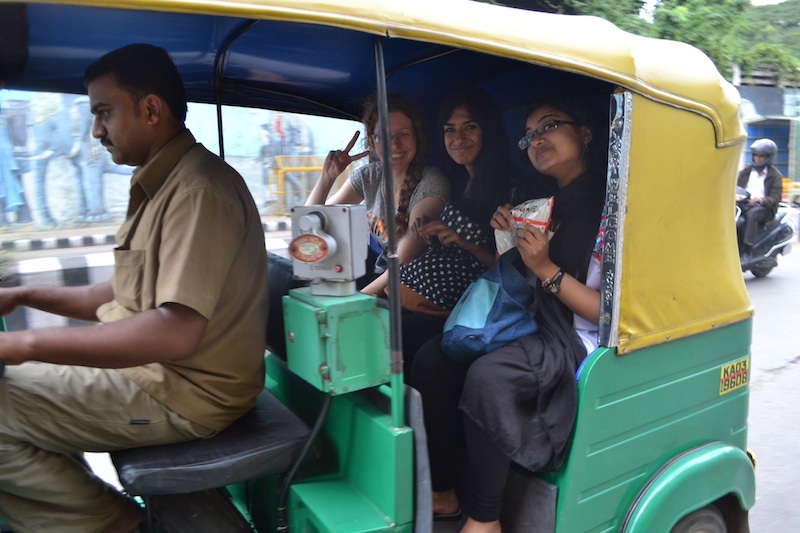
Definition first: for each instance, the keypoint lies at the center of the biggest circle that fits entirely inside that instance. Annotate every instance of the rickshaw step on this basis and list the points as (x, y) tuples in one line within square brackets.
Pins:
[(335, 505)]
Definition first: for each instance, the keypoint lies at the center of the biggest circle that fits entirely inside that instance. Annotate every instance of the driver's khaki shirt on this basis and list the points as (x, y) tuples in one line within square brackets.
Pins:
[(199, 242)]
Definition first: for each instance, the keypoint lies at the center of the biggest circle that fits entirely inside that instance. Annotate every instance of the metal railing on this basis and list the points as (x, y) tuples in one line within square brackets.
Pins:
[(292, 178)]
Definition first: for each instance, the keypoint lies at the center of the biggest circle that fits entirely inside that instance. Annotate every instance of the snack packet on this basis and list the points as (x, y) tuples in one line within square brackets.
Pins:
[(532, 213)]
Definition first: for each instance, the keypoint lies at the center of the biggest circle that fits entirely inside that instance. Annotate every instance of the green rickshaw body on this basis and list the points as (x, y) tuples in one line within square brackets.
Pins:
[(661, 428)]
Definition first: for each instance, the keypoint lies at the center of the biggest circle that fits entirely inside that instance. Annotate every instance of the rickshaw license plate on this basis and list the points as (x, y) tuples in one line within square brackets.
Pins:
[(734, 376)]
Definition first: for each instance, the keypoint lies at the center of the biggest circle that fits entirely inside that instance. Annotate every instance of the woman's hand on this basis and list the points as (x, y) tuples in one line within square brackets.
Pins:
[(503, 219), (417, 229), (535, 251), (444, 233), (338, 160)]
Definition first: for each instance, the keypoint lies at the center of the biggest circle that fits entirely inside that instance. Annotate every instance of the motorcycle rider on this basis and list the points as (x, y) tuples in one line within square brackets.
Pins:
[(764, 182)]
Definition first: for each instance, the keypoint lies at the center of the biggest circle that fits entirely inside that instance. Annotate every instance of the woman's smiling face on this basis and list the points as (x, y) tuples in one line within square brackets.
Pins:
[(560, 151), (403, 144), (463, 137)]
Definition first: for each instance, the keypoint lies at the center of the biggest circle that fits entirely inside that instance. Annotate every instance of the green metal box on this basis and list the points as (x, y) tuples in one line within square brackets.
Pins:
[(338, 344)]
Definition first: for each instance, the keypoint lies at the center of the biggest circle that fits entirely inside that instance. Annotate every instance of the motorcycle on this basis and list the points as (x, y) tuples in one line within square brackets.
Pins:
[(772, 238)]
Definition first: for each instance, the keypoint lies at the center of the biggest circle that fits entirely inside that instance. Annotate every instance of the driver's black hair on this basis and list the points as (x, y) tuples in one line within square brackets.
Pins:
[(143, 69)]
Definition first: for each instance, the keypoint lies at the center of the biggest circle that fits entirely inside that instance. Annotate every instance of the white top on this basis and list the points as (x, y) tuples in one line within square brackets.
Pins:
[(755, 185), (585, 329)]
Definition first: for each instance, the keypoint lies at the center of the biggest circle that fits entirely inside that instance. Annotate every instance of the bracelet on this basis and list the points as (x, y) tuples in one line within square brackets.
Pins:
[(553, 284)]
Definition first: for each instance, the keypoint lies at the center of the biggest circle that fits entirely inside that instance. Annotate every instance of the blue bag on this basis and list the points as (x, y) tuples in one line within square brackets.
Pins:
[(491, 313)]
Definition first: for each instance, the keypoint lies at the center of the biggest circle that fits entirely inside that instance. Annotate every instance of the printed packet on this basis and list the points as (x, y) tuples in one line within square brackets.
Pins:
[(532, 213)]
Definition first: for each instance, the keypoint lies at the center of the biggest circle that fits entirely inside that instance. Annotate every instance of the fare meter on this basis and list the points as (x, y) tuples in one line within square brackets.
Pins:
[(329, 247), (337, 339)]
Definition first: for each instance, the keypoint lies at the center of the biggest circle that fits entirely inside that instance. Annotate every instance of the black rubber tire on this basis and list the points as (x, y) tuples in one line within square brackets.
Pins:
[(706, 520), (763, 268)]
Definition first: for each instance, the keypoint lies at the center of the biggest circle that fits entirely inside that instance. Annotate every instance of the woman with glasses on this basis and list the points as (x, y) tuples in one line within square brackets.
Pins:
[(420, 191), (517, 404)]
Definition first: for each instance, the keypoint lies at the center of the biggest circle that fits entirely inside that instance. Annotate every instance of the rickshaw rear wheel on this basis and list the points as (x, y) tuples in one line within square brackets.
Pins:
[(706, 520)]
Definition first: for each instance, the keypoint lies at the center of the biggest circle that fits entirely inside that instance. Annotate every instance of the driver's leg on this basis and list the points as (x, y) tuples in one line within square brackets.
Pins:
[(755, 216), (52, 412)]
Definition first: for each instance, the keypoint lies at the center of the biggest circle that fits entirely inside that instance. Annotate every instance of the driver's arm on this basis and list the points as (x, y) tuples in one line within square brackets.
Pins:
[(167, 333), (73, 302)]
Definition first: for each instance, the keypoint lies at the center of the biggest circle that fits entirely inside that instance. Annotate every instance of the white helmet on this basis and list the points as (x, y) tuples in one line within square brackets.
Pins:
[(764, 147)]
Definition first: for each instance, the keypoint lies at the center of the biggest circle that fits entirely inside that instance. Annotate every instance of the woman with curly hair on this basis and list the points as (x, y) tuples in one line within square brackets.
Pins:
[(420, 191)]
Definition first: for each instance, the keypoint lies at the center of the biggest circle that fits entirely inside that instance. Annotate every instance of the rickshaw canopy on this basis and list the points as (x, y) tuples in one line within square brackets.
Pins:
[(317, 58)]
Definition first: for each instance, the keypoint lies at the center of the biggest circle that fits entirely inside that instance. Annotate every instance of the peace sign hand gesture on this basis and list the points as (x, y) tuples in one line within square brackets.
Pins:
[(338, 160)]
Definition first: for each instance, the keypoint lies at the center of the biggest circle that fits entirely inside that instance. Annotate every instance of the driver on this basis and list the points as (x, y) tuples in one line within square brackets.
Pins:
[(764, 182), (180, 352)]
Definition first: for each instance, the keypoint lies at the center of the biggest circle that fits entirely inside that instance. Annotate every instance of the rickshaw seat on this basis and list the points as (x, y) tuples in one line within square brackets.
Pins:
[(263, 442), (583, 363), (280, 277)]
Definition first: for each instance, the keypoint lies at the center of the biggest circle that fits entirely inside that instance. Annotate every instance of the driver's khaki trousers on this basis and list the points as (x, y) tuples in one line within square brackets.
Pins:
[(51, 413)]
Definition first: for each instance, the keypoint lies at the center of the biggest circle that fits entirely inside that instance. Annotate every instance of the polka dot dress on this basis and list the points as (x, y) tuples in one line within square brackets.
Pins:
[(442, 273)]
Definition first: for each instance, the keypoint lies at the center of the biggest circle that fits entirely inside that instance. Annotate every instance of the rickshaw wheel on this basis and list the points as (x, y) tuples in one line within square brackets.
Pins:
[(763, 268), (706, 520)]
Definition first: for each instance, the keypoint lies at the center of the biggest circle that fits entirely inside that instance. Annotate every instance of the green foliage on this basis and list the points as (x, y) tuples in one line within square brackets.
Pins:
[(728, 31), (778, 24), (710, 25), (623, 13), (774, 57)]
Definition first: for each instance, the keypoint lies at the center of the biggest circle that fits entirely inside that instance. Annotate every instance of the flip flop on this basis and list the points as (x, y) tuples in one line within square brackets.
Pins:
[(453, 517)]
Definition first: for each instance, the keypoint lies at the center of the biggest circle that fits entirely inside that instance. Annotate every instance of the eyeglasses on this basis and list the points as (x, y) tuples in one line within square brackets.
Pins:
[(526, 141), (401, 138)]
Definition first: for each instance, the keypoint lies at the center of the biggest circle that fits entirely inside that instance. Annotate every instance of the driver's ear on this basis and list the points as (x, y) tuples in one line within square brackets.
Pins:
[(153, 107)]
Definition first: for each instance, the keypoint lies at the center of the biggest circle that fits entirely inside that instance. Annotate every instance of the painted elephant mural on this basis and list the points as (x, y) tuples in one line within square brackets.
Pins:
[(61, 127)]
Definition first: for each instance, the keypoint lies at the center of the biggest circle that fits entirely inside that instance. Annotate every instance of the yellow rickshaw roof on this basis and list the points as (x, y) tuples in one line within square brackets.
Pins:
[(666, 71)]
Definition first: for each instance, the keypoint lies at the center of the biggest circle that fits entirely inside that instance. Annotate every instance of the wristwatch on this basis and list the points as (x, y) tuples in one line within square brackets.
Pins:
[(553, 284)]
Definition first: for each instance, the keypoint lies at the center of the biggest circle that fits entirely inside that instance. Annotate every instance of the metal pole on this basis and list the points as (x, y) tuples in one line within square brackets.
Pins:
[(395, 310), (219, 65)]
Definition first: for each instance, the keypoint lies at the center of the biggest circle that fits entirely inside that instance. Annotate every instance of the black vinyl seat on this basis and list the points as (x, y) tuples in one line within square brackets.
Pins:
[(262, 443)]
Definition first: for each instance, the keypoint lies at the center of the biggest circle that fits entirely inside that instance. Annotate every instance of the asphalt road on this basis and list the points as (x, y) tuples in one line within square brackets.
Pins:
[(774, 417)]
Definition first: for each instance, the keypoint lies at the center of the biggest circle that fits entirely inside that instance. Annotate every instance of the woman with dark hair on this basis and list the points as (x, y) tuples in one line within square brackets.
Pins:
[(477, 160), (517, 404), (420, 191)]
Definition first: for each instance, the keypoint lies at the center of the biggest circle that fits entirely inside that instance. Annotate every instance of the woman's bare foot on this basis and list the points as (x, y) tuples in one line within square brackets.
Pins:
[(473, 526), (445, 503), (129, 520)]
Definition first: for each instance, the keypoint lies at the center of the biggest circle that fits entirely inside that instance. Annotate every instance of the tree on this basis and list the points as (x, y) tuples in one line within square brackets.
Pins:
[(710, 25), (728, 31), (773, 58), (777, 24), (623, 13)]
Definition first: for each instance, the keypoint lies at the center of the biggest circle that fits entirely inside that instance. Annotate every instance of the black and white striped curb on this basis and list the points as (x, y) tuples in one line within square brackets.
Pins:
[(80, 241), (54, 271), (79, 270), (57, 243)]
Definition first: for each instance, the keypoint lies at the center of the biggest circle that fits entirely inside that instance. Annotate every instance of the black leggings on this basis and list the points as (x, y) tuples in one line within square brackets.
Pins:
[(440, 380), (487, 472), (418, 328)]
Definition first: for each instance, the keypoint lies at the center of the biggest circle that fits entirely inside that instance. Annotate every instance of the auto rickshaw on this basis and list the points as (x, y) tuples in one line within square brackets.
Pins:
[(660, 439)]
